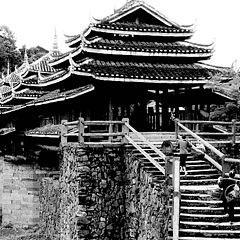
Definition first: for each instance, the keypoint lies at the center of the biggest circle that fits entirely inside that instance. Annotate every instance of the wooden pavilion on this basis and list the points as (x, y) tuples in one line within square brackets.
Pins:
[(135, 63)]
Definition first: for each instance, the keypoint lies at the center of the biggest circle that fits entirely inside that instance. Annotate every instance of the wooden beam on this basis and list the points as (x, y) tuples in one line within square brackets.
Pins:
[(205, 143)]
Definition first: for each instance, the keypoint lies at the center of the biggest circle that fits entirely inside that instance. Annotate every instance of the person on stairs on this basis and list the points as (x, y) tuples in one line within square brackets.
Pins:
[(229, 190), (184, 145)]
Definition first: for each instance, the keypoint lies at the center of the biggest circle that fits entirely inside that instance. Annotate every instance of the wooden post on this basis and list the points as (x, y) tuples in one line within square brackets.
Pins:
[(125, 130), (63, 133), (197, 127), (157, 111), (168, 169), (165, 113), (176, 198), (176, 128), (110, 117), (233, 131), (224, 165), (110, 130), (81, 130)]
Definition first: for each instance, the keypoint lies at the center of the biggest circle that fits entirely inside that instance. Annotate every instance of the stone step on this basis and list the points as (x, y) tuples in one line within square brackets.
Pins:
[(201, 238), (190, 160), (201, 171), (207, 217), (198, 182), (199, 166), (197, 177), (204, 210), (198, 189), (202, 203), (192, 196), (207, 233), (210, 225)]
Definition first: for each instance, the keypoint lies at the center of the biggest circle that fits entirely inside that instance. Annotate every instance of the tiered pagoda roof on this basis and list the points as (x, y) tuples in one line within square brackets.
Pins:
[(144, 72), (135, 44), (16, 85)]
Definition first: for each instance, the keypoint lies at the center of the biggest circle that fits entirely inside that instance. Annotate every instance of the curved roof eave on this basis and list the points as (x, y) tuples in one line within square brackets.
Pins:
[(152, 54), (144, 33), (62, 97), (66, 56), (144, 80), (46, 82)]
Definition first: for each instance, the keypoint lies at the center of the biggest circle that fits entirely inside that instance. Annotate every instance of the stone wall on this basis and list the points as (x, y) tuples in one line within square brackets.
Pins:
[(1, 186), (20, 198), (106, 194), (50, 207), (147, 208), (92, 194)]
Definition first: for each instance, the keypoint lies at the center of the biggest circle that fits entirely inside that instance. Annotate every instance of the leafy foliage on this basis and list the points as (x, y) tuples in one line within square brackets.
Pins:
[(9, 54), (225, 112)]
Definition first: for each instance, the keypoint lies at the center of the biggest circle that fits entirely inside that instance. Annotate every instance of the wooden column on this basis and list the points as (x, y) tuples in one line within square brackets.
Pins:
[(196, 112), (110, 117), (165, 114), (176, 198), (80, 130), (157, 111), (176, 104), (63, 133)]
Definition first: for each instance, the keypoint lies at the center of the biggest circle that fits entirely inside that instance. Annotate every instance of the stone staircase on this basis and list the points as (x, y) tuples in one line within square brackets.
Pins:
[(202, 216)]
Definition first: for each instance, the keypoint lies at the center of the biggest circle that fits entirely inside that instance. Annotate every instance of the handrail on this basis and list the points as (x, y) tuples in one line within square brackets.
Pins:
[(80, 125), (139, 135), (205, 143), (232, 160), (215, 124), (155, 163), (211, 160), (208, 122)]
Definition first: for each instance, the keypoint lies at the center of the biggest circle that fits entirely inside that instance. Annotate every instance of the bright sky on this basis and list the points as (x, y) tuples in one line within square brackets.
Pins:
[(33, 21)]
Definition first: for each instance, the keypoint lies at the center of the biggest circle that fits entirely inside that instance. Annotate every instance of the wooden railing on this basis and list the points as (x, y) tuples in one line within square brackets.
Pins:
[(93, 132), (179, 125), (114, 133), (146, 142), (224, 129)]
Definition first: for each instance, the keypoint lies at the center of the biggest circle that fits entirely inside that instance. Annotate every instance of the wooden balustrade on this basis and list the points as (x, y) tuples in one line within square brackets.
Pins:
[(81, 131), (233, 133), (225, 162)]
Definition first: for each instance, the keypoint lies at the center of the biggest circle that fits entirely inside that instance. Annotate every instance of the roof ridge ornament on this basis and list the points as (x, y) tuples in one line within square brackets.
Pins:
[(25, 60), (55, 42)]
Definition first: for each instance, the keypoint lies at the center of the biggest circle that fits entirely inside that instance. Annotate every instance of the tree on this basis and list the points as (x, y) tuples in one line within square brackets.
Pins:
[(33, 53), (225, 112), (9, 54)]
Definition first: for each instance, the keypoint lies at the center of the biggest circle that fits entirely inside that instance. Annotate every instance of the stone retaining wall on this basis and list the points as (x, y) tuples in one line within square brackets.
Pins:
[(147, 204), (20, 199), (106, 194), (92, 194), (50, 207), (20, 183)]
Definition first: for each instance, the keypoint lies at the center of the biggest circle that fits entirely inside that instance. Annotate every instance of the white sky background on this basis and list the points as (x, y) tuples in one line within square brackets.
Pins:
[(33, 21)]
